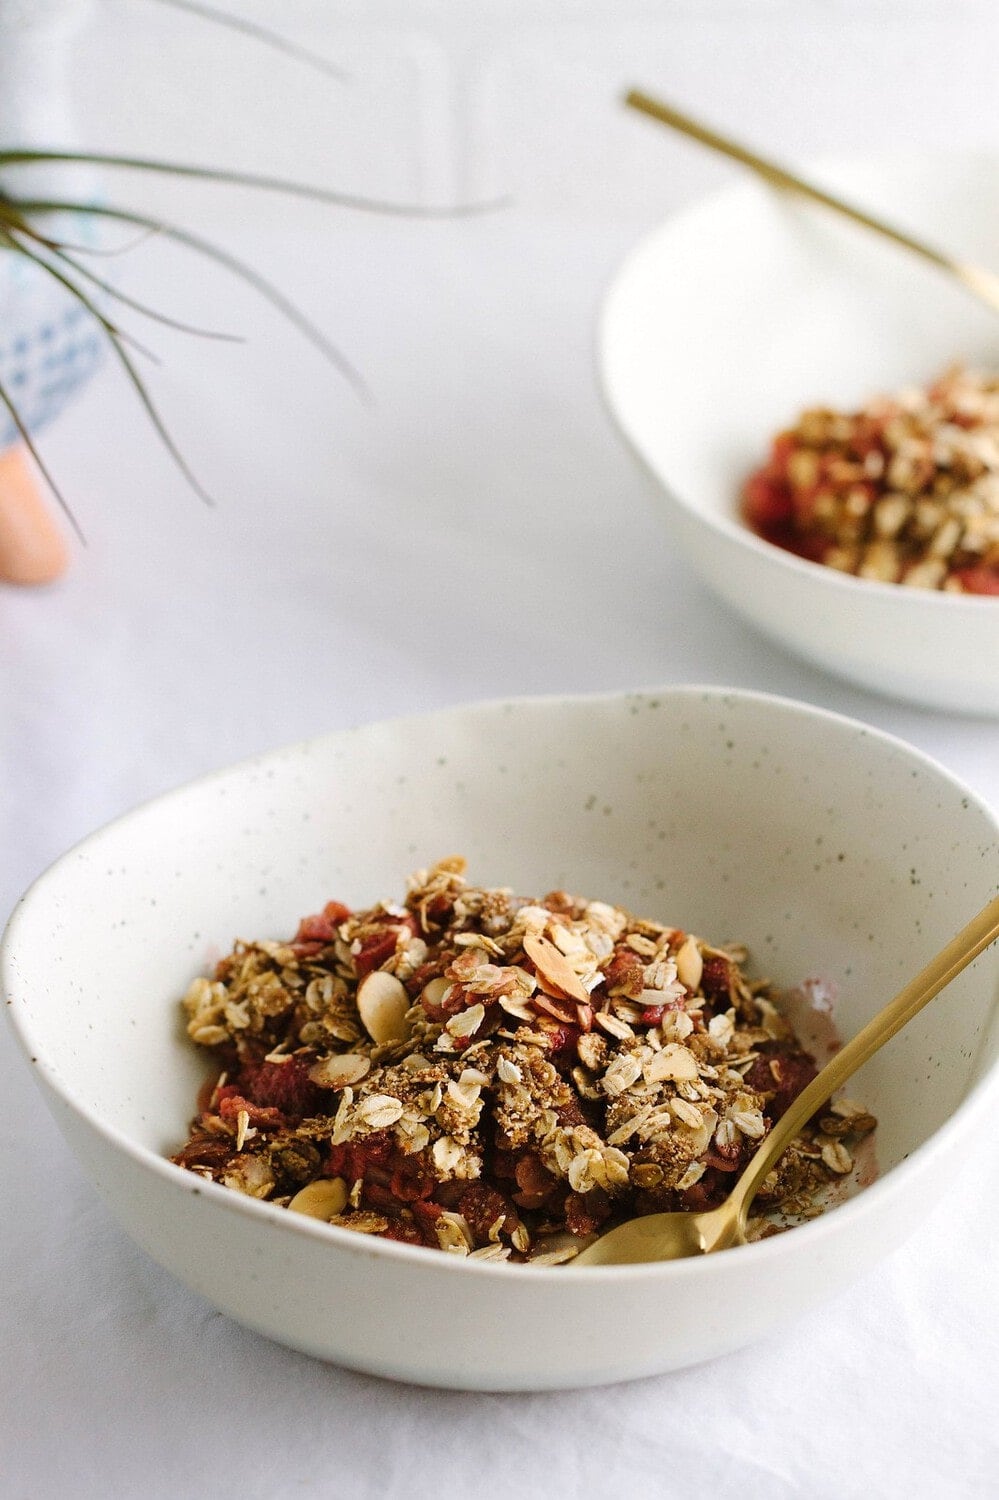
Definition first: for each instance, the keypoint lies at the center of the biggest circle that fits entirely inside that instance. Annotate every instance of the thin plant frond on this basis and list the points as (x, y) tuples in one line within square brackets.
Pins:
[(25, 157), (264, 288), (19, 234), (108, 252), (58, 252), (7, 401), (273, 39), (11, 241), (116, 338), (11, 220), (57, 257)]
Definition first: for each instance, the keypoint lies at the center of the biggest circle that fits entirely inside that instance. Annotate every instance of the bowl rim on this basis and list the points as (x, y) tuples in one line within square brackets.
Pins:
[(882, 1190), (728, 524)]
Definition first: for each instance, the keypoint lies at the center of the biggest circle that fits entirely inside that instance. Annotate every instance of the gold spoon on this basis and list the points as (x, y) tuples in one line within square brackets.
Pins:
[(979, 282), (672, 1236)]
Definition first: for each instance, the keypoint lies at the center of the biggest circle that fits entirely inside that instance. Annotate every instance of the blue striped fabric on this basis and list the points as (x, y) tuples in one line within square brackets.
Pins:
[(49, 346)]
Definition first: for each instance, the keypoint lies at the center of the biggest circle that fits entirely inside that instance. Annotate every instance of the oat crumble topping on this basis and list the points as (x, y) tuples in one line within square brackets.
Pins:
[(497, 1077), (906, 490)]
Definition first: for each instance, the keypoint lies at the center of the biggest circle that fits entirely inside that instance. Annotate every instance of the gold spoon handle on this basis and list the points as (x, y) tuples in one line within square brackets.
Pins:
[(981, 283), (959, 952)]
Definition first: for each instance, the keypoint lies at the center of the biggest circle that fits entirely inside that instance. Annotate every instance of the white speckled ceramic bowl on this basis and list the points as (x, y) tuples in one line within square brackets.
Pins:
[(725, 323), (831, 849)]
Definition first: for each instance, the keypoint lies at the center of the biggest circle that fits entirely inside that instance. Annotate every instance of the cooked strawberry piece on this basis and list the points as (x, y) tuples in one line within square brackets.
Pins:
[(563, 1044), (406, 1233), (412, 1179), (285, 1086), (624, 973), (322, 928), (724, 1158), (426, 1213), (211, 1151), (362, 1156), (795, 1072), (784, 444), (232, 1104), (768, 500), (708, 1191), (585, 1212), (535, 1182), (716, 978), (377, 947), (482, 1207), (782, 1073), (978, 580)]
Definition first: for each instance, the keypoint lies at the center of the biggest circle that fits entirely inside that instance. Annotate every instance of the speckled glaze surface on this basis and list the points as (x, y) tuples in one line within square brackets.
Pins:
[(724, 324), (832, 850)]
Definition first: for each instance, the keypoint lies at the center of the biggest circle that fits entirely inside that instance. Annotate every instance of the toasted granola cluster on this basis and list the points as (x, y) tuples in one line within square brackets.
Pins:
[(906, 490), (498, 1077)]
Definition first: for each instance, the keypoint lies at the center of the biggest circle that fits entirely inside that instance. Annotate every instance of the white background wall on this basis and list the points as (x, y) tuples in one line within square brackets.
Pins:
[(467, 97)]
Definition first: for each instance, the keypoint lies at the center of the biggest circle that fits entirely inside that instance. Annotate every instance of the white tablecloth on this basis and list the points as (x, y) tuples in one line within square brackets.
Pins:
[(477, 531)]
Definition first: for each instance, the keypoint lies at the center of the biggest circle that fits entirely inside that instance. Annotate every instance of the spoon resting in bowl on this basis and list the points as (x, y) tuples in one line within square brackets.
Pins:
[(672, 1236), (978, 280)]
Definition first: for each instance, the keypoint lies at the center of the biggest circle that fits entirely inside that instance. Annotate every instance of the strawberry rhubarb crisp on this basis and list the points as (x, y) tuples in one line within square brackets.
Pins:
[(906, 490), (498, 1077)]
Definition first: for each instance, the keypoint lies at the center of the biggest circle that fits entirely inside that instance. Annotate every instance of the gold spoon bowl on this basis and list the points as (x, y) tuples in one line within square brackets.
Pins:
[(675, 1235)]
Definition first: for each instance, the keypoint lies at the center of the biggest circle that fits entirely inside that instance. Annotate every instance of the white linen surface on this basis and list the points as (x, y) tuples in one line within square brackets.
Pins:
[(479, 530)]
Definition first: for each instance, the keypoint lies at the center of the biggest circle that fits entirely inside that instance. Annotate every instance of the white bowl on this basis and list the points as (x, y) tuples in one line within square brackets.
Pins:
[(725, 323), (833, 850)]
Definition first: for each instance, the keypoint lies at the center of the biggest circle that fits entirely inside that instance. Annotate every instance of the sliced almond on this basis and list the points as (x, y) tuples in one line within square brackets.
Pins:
[(553, 965), (337, 1072), (675, 1062), (522, 1012), (382, 1003), (434, 991), (322, 1199), (466, 1022), (554, 1006), (689, 965)]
